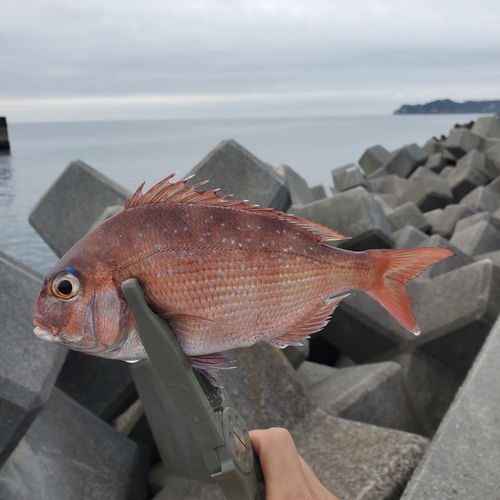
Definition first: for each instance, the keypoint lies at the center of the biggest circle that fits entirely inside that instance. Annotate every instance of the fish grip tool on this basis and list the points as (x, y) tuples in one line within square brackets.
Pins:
[(208, 412)]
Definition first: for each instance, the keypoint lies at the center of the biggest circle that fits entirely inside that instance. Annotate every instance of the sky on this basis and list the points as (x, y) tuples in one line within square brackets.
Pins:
[(65, 60)]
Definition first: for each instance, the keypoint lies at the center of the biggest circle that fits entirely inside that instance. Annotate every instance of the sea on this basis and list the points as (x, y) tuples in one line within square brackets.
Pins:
[(130, 152)]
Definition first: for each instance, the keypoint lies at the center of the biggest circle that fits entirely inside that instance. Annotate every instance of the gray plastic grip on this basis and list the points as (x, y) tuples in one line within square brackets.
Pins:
[(207, 412)]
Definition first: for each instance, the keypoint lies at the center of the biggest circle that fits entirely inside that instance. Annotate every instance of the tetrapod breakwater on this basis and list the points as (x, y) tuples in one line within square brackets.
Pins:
[(377, 412)]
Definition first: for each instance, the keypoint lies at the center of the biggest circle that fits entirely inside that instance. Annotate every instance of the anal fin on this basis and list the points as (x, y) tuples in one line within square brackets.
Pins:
[(311, 324), (210, 364)]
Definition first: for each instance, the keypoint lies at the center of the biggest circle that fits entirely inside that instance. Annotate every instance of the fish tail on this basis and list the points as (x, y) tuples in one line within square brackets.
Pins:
[(396, 268)]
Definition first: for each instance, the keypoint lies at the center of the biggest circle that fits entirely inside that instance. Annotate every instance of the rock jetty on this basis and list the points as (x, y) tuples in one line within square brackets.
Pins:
[(377, 412)]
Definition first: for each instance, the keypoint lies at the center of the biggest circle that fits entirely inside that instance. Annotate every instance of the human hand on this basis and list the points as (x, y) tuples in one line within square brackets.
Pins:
[(286, 474)]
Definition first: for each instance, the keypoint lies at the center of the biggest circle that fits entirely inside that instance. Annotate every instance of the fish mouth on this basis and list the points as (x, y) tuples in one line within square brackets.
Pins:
[(44, 330), (45, 334)]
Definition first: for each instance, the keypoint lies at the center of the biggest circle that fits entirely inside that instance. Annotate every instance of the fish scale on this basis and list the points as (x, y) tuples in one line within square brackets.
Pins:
[(242, 289), (223, 273)]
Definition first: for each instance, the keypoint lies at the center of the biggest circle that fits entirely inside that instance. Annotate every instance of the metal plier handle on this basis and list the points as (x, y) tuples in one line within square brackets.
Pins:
[(208, 412)]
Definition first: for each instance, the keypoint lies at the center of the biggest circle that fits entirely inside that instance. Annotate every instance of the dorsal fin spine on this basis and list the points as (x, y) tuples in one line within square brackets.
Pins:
[(179, 192)]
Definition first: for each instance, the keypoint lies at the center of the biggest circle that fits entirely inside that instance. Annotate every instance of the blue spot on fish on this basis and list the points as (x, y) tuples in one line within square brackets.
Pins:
[(175, 230), (232, 242), (170, 271), (135, 245), (218, 273), (185, 229), (158, 245), (249, 240), (200, 261), (242, 266), (140, 234), (191, 253), (182, 255), (224, 240)]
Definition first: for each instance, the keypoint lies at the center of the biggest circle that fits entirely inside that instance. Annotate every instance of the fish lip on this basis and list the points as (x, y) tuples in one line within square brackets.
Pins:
[(43, 325), (44, 334)]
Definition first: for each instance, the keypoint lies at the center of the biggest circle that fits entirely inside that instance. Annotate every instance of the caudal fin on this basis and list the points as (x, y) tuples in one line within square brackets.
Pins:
[(397, 267)]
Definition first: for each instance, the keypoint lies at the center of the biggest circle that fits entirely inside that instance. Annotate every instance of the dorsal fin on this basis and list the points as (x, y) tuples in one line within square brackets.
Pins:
[(179, 192)]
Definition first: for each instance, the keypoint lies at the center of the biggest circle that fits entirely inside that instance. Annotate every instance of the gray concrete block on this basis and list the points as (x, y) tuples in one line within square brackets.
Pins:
[(464, 180), (494, 185), (486, 143), (102, 386), (492, 155), (236, 171), (460, 259), (106, 214), (267, 392), (389, 184), (87, 192), (456, 311), (446, 172), (474, 159), (427, 190), (452, 213), (70, 453), (433, 216), (493, 220), (493, 256), (476, 239), (361, 329), (461, 141), (405, 214), (297, 354), (436, 162), (488, 126), (388, 202), (431, 386), (406, 160), (462, 461), (433, 146), (373, 158), (348, 177), (320, 191), (482, 200), (353, 213), (28, 365), (180, 488), (374, 394), (4, 135), (408, 237), (297, 186)]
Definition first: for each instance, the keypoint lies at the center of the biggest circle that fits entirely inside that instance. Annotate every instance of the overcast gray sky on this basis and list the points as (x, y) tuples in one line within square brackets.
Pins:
[(124, 59)]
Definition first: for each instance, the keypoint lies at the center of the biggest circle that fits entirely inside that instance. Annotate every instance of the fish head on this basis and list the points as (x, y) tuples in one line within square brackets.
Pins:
[(81, 307)]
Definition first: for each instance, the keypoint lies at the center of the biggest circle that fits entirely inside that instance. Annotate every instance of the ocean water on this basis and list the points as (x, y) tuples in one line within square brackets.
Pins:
[(130, 152)]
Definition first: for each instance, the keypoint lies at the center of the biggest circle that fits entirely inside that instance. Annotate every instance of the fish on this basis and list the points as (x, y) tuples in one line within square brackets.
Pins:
[(223, 273)]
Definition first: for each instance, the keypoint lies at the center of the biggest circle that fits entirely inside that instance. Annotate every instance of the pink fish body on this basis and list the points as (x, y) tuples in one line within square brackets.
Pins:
[(222, 273)]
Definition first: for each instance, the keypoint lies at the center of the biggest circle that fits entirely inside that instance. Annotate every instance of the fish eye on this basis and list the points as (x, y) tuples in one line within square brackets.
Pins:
[(65, 286)]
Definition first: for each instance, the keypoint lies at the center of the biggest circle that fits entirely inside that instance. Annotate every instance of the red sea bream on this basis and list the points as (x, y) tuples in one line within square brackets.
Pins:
[(223, 273)]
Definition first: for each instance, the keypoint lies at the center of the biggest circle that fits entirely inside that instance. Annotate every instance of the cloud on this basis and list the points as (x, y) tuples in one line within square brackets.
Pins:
[(202, 54)]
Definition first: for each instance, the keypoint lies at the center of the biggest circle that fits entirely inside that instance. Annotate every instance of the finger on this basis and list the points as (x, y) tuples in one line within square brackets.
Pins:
[(315, 484), (281, 465)]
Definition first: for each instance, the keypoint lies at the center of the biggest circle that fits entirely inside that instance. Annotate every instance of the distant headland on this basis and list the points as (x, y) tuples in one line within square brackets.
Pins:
[(446, 106)]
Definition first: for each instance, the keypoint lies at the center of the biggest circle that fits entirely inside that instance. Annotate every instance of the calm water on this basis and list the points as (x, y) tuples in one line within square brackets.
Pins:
[(133, 151)]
